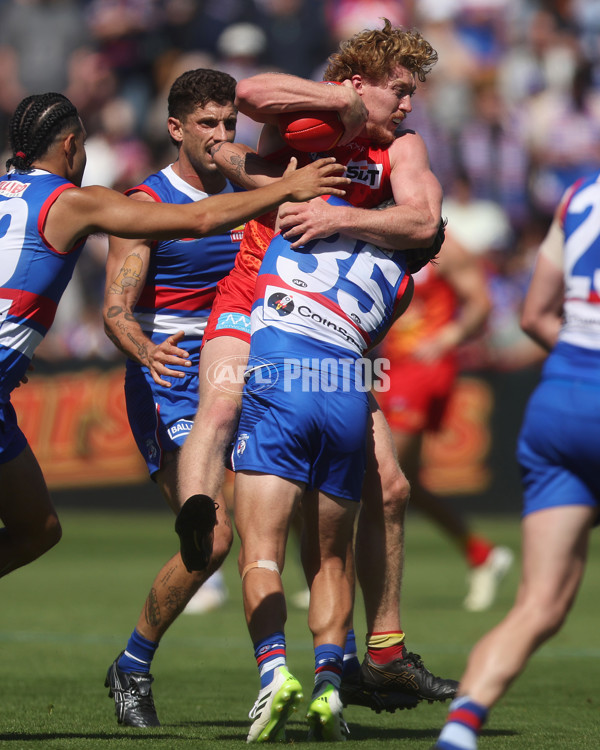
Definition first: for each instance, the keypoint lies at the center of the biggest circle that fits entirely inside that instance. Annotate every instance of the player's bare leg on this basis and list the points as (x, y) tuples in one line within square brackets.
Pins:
[(174, 586), (388, 667), (129, 679), (263, 508), (329, 523), (203, 455), (31, 525), (331, 593), (555, 546), (380, 530)]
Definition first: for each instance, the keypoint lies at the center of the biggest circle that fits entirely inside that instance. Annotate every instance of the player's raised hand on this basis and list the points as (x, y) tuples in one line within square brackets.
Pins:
[(321, 177)]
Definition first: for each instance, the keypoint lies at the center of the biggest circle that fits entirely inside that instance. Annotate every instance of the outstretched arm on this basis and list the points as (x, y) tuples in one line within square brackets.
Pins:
[(78, 212)]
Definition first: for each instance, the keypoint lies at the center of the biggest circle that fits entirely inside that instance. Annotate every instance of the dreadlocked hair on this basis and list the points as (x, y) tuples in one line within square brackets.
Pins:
[(36, 122)]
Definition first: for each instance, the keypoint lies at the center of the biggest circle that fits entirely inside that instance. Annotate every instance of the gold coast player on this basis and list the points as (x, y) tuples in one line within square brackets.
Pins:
[(378, 71)]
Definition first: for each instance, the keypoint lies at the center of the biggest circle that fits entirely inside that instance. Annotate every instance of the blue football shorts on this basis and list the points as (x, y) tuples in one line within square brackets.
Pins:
[(160, 418), (12, 440), (559, 445), (308, 436)]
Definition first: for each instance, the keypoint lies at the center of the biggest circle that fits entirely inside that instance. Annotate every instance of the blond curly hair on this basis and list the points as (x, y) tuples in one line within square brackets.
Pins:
[(374, 54)]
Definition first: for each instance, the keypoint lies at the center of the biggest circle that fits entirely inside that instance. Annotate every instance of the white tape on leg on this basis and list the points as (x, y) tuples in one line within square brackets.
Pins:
[(266, 564)]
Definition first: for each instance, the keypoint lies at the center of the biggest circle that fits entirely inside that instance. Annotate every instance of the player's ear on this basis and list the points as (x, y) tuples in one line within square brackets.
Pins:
[(357, 82), (70, 146), (175, 128)]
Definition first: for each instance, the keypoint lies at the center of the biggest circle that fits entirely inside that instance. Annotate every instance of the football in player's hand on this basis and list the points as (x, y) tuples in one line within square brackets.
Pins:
[(311, 130)]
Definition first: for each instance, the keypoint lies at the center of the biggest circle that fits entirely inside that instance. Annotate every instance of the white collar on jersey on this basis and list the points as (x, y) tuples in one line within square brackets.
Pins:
[(187, 189)]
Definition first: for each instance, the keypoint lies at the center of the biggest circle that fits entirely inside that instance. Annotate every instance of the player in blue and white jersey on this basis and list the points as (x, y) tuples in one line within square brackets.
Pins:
[(157, 300), (45, 216), (559, 456), (302, 437)]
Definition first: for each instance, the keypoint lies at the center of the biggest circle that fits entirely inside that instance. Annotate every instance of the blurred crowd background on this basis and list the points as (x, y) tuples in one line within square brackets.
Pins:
[(510, 114)]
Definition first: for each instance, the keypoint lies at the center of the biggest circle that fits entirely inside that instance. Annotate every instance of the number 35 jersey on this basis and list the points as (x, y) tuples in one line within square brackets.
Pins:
[(331, 298)]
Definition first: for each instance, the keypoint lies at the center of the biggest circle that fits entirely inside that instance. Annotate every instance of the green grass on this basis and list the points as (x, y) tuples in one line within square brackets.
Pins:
[(66, 617)]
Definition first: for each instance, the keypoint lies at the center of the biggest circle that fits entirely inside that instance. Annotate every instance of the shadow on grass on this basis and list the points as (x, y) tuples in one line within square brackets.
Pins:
[(40, 736)]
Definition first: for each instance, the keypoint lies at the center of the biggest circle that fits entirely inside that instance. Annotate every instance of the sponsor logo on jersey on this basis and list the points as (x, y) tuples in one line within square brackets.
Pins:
[(237, 321), (306, 312), (281, 303), (300, 283), (182, 427), (12, 188), (365, 173)]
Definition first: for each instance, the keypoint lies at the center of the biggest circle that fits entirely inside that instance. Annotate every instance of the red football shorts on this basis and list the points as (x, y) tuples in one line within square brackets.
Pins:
[(418, 394)]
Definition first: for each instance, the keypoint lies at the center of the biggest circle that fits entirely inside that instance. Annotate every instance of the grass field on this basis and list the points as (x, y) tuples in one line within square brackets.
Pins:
[(66, 617)]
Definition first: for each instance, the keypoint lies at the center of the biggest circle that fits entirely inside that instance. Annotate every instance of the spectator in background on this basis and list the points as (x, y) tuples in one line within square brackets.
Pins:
[(492, 151), (37, 41), (128, 35), (479, 225), (563, 153), (241, 49), (296, 34), (541, 55), (450, 89)]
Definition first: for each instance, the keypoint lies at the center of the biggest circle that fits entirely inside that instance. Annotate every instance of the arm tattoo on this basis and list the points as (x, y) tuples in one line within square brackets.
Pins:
[(113, 311), (129, 275)]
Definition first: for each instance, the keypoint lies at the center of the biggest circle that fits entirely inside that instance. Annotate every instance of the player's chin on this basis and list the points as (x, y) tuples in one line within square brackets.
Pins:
[(381, 136)]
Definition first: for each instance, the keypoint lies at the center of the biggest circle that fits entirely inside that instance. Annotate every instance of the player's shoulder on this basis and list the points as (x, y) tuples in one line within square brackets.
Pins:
[(406, 139), (407, 148)]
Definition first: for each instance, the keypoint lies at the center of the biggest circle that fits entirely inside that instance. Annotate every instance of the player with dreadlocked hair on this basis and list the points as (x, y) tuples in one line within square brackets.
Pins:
[(34, 124), (45, 218)]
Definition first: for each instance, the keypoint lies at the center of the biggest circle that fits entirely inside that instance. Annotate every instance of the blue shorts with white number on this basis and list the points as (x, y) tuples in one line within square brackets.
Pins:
[(559, 443), (308, 436)]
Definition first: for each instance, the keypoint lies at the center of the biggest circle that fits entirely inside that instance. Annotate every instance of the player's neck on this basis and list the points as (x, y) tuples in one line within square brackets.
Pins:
[(210, 183)]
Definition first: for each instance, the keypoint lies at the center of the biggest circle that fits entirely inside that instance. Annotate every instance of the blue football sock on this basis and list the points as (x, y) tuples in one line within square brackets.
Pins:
[(138, 654), (351, 662), (464, 722), (328, 664), (269, 654)]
